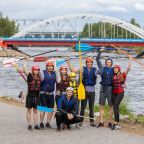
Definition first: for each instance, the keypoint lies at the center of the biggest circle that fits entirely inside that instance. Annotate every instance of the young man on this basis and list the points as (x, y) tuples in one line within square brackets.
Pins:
[(63, 84), (32, 99), (118, 92), (106, 88), (89, 81), (67, 109), (48, 84)]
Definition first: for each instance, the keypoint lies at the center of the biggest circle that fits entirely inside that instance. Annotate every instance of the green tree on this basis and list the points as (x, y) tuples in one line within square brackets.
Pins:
[(7, 27), (133, 21), (107, 30)]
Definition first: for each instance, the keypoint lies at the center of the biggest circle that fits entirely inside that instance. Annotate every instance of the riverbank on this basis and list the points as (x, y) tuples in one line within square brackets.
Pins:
[(11, 53), (130, 126)]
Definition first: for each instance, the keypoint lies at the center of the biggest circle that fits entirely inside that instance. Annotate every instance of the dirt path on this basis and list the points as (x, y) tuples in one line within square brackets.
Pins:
[(13, 130)]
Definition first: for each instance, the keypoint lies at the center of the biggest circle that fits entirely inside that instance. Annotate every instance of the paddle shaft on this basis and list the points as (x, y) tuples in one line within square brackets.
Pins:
[(130, 56), (14, 66), (80, 62), (81, 116), (39, 54)]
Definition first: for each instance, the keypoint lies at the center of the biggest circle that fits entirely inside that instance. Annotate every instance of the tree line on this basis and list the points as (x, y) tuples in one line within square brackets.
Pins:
[(107, 30), (7, 27)]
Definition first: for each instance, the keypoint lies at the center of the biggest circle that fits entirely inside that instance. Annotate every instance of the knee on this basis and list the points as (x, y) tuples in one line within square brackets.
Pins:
[(29, 110), (35, 111), (101, 107), (58, 114)]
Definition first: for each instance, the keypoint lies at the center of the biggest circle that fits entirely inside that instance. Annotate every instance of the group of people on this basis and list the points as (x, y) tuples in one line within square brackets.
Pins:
[(50, 86)]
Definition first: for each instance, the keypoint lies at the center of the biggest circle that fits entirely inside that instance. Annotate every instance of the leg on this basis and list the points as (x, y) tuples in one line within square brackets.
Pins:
[(117, 102), (43, 102), (35, 116), (73, 121), (28, 115), (110, 114), (50, 104), (91, 98), (83, 106), (59, 118), (29, 106), (110, 103), (102, 100), (101, 113), (49, 117)]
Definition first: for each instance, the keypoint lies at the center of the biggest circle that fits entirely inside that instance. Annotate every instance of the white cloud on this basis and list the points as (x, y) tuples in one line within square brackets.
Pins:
[(117, 9), (139, 6)]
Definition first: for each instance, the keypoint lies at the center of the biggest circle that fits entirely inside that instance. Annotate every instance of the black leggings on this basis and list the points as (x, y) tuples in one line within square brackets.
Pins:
[(90, 96), (117, 98), (62, 118)]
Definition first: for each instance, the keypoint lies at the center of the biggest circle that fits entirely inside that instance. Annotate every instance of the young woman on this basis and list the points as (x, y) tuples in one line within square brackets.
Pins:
[(118, 92), (63, 84), (32, 99)]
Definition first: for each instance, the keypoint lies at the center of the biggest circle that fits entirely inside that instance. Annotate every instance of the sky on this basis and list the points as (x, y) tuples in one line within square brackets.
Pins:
[(43, 9)]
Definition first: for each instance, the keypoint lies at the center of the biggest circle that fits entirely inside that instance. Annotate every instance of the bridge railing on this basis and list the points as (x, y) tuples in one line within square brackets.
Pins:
[(74, 39)]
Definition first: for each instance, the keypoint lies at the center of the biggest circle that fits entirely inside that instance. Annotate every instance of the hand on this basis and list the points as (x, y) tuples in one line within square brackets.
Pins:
[(130, 57), (14, 64), (102, 49), (68, 61), (70, 116)]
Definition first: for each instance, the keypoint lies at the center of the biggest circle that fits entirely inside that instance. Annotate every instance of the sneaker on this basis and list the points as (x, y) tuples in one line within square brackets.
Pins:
[(101, 124), (110, 125), (77, 126), (58, 129), (48, 125), (41, 125), (37, 127), (30, 127), (80, 124), (64, 126), (92, 124), (116, 126), (68, 127)]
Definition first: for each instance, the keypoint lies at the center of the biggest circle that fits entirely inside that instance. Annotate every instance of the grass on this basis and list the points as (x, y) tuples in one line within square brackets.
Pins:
[(124, 110)]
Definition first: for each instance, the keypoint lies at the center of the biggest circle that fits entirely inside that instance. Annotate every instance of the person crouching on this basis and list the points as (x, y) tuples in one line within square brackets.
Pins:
[(67, 110)]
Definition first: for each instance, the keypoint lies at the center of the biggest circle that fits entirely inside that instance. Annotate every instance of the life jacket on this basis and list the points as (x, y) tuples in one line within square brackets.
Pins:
[(74, 85), (107, 76), (34, 83), (63, 84), (48, 84), (118, 83), (89, 77)]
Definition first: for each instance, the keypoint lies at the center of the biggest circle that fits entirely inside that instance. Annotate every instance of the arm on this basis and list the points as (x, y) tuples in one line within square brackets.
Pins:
[(57, 73), (41, 75), (71, 68), (25, 68), (59, 107), (99, 62), (128, 68)]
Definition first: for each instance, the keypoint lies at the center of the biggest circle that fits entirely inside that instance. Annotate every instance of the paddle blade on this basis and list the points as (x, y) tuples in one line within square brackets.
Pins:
[(60, 62), (40, 59), (81, 92), (45, 109), (9, 62)]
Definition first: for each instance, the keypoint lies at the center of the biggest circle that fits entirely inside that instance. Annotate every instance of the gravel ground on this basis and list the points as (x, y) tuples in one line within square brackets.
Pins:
[(13, 130)]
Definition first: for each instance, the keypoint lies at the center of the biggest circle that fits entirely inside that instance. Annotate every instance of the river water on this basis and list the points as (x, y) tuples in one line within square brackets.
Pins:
[(11, 83)]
